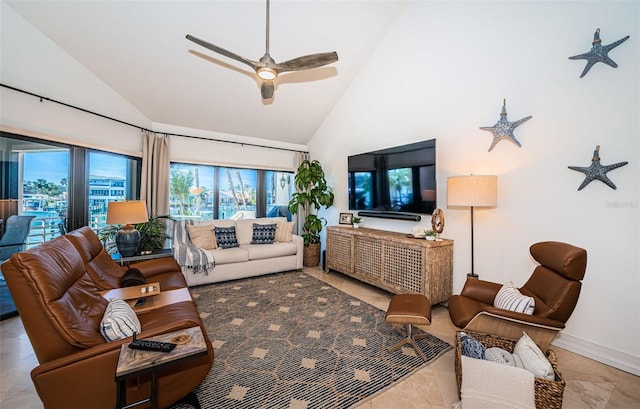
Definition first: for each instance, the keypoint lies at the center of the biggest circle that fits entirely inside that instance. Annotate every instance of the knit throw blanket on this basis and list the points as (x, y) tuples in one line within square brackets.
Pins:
[(188, 256)]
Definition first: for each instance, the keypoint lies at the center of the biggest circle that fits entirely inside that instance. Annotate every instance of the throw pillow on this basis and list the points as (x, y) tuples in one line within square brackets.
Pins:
[(502, 356), (201, 235), (226, 237), (284, 231), (263, 233), (509, 298), (132, 277), (119, 321), (533, 358), (471, 347)]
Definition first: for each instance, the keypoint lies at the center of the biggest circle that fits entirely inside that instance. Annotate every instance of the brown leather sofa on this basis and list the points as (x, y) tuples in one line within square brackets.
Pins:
[(554, 285), (56, 288)]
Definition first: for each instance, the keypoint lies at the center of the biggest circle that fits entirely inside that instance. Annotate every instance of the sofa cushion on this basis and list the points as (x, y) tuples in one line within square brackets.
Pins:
[(284, 232), (104, 272), (258, 252), (64, 291), (230, 255), (263, 233), (201, 235), (226, 237), (119, 321), (509, 298)]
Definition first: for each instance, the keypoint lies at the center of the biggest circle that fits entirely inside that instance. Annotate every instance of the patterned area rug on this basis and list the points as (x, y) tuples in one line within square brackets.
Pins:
[(290, 340)]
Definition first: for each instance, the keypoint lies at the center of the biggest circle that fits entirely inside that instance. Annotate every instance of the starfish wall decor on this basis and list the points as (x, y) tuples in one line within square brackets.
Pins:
[(597, 171), (503, 129), (598, 53)]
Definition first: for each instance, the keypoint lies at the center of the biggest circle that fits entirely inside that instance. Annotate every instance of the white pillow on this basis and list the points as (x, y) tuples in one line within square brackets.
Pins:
[(284, 231), (533, 358), (201, 235), (509, 298), (119, 321)]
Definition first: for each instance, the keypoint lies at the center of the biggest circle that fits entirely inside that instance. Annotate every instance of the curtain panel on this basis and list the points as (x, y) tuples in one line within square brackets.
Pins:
[(154, 187)]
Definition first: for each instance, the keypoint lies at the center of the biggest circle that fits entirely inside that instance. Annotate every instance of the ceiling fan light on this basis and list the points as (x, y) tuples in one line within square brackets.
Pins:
[(267, 73)]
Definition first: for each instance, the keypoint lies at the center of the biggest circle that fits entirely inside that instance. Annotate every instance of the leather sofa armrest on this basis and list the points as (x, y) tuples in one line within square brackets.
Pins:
[(93, 353), (523, 318), (480, 290), (156, 266)]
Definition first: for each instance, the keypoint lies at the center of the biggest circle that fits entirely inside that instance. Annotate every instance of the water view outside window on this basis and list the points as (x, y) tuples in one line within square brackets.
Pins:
[(44, 190), (112, 177), (279, 190), (209, 192)]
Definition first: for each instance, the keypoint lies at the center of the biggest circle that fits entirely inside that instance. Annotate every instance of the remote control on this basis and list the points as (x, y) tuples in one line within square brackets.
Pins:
[(147, 345)]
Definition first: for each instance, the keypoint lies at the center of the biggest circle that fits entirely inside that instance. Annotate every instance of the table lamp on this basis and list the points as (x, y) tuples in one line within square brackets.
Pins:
[(472, 191), (127, 213)]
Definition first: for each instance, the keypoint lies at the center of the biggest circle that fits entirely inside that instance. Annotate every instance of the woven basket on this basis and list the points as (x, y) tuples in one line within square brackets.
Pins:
[(311, 255), (548, 393)]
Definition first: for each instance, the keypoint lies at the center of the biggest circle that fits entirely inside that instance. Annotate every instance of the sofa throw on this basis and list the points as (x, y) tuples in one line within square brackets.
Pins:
[(190, 257)]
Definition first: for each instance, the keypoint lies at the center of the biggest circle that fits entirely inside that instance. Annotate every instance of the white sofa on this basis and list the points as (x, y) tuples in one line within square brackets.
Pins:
[(247, 260)]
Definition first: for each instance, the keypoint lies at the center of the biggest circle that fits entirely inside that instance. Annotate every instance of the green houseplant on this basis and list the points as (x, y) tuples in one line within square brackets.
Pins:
[(153, 234), (312, 193)]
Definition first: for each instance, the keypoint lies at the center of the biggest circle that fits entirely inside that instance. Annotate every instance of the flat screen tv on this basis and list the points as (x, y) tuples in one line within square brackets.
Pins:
[(401, 179)]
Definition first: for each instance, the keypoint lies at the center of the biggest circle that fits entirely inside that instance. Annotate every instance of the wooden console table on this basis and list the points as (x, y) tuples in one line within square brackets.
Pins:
[(393, 261)]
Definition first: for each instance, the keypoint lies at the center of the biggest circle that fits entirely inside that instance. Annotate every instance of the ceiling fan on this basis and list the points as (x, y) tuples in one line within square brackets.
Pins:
[(266, 68)]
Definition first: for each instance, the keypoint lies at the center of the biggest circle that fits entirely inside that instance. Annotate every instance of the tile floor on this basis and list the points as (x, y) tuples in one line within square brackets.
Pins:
[(590, 384)]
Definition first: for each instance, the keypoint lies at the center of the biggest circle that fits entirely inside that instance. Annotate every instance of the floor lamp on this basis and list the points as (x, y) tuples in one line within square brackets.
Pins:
[(472, 191)]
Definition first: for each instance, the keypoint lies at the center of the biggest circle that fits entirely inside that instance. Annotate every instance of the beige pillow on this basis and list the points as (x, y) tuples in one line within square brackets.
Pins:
[(202, 236), (284, 230)]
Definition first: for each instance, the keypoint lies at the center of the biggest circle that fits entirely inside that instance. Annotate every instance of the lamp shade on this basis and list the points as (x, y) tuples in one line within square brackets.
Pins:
[(472, 190), (128, 212)]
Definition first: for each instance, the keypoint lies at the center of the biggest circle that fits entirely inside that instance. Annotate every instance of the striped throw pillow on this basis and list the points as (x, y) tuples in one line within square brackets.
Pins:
[(509, 298), (119, 321)]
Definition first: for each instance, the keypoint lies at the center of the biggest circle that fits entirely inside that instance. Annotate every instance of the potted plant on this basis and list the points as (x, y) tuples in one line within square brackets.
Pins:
[(153, 234), (312, 193), (356, 221), (430, 234)]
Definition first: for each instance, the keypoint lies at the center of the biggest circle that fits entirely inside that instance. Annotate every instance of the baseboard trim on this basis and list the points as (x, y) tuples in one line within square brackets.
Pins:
[(617, 359)]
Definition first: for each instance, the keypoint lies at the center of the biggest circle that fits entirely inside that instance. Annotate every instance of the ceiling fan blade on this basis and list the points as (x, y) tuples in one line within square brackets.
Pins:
[(266, 89), (307, 62), (222, 51)]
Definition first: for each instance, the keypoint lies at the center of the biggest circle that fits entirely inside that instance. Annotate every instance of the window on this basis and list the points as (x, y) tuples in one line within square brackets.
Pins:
[(212, 192), (36, 179)]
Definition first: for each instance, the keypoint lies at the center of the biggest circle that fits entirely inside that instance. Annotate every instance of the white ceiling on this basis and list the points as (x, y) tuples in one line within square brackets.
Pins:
[(138, 48)]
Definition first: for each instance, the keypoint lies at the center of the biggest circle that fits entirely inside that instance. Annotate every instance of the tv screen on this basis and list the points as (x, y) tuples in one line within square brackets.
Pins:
[(397, 179)]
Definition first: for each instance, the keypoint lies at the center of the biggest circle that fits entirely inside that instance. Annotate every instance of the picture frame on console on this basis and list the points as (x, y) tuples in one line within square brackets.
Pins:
[(346, 218)]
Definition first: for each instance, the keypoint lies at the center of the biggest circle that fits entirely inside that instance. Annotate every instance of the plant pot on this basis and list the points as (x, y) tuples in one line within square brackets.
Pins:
[(356, 225), (311, 255)]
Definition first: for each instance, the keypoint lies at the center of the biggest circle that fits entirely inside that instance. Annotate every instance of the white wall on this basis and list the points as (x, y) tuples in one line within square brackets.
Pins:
[(442, 72), (32, 62)]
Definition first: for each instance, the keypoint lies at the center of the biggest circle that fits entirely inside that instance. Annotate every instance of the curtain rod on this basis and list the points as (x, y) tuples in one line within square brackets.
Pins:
[(140, 127)]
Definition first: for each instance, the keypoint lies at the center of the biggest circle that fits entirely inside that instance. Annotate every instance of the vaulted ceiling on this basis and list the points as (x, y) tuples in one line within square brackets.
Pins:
[(138, 48)]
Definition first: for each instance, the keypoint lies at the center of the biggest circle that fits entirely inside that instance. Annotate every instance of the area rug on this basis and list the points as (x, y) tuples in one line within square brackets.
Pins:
[(289, 340)]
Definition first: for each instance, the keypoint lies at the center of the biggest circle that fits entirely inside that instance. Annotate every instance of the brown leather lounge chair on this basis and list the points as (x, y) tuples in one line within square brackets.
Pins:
[(554, 285)]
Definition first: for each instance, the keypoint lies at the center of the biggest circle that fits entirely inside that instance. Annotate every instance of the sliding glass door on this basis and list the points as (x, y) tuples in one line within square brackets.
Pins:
[(63, 186)]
